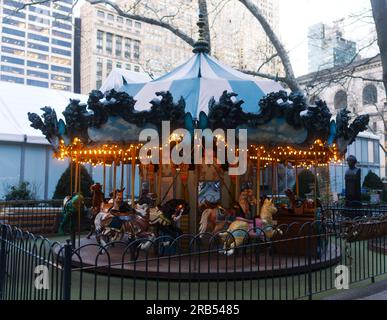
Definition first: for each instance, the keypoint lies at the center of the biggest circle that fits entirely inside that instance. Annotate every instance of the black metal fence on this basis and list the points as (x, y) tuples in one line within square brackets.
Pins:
[(299, 262)]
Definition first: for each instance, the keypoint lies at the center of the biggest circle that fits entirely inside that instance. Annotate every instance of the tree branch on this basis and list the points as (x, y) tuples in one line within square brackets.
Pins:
[(176, 31), (290, 78)]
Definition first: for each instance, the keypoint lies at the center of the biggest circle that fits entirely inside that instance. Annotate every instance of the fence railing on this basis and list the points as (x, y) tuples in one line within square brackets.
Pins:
[(299, 262)]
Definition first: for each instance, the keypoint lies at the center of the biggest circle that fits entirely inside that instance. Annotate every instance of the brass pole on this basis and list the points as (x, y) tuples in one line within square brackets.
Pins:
[(104, 179), (79, 207), (258, 184), (71, 175), (122, 175), (159, 177), (114, 177), (133, 174), (297, 185)]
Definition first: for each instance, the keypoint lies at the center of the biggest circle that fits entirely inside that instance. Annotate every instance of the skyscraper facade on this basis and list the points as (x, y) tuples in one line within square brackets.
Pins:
[(108, 41), (327, 48), (37, 43)]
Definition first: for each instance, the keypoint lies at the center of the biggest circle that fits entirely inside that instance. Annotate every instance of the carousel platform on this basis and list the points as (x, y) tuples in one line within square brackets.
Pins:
[(244, 264)]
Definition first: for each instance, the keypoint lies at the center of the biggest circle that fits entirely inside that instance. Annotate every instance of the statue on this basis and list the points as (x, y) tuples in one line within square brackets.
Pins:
[(352, 183)]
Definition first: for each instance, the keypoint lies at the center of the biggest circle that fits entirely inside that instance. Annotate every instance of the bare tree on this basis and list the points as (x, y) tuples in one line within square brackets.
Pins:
[(379, 12)]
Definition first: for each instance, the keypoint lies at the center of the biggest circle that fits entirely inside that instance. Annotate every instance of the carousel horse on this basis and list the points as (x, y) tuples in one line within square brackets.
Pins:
[(165, 217), (72, 205), (238, 230), (96, 203), (120, 219), (215, 218)]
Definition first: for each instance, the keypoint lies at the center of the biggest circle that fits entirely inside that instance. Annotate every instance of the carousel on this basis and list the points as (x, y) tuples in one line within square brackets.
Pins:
[(177, 131)]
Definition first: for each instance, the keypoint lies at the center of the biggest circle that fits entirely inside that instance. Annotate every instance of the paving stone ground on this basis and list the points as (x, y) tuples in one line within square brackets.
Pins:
[(376, 291)]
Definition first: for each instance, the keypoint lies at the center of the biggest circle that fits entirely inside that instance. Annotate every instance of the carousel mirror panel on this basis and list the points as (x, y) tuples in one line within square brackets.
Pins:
[(209, 191)]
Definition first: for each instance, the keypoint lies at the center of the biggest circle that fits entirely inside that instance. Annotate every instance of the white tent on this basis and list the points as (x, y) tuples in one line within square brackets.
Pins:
[(16, 100), (25, 154), (116, 76)]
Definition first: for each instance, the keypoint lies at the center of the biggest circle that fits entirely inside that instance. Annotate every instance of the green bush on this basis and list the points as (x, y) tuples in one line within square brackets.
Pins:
[(372, 182), (63, 186), (306, 182), (20, 192)]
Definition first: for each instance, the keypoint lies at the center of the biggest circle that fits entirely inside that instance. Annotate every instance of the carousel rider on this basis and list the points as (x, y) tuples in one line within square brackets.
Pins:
[(146, 197)]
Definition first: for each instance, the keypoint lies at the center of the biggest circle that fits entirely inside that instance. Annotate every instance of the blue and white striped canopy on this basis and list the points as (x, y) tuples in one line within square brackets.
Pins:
[(198, 80)]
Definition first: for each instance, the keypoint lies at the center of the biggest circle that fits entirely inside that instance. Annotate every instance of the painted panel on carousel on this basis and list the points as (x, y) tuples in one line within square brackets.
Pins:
[(116, 129)]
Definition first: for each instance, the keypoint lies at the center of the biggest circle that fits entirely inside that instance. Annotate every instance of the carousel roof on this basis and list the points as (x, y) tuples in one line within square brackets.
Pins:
[(198, 80), (117, 77)]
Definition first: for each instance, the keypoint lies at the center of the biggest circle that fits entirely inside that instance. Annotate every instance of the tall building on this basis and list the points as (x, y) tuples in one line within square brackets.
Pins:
[(108, 41), (161, 50), (237, 37), (327, 48), (37, 43)]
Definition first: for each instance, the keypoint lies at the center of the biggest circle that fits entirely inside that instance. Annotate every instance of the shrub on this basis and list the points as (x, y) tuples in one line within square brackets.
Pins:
[(20, 192), (372, 182), (63, 186)]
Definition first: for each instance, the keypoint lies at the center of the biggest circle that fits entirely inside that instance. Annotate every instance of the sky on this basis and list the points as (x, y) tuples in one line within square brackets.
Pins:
[(297, 15)]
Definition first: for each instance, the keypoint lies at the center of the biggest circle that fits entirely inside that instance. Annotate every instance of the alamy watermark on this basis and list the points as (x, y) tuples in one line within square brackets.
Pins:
[(42, 279), (342, 277), (182, 151)]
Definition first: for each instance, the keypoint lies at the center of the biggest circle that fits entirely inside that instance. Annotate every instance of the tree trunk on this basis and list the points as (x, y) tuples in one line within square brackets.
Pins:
[(202, 4), (290, 79), (379, 12)]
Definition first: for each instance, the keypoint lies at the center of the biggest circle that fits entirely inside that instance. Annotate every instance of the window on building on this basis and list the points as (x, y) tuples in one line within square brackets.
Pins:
[(37, 46), (14, 70), (109, 66), (14, 32), (61, 69), (62, 25), (16, 42), (99, 69), (37, 74), (136, 68), (12, 51), (60, 86), (37, 83), (37, 37), (13, 22), (101, 14), (58, 77), (12, 60), (39, 10), (38, 56), (128, 66), (41, 30), (118, 46), (109, 43), (38, 65), (129, 22), (15, 4), (61, 43), (34, 18), (58, 60), (119, 65), (110, 17), (137, 25), (370, 94), (136, 50), (98, 84), (13, 13), (12, 79), (62, 34), (127, 51), (120, 19), (99, 40), (61, 51), (340, 100)]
